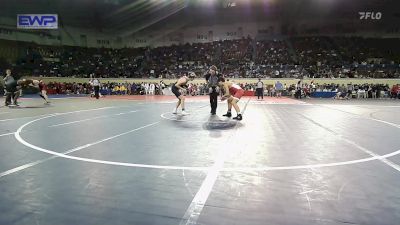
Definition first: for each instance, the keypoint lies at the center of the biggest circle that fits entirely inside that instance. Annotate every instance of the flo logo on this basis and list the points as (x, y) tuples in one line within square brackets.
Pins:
[(370, 15)]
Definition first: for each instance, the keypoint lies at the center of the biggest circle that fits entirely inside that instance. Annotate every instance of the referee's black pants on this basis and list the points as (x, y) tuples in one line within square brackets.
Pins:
[(214, 100), (260, 93), (96, 92), (11, 96)]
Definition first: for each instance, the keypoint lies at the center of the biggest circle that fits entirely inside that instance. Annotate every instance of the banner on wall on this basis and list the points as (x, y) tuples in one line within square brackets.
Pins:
[(37, 21)]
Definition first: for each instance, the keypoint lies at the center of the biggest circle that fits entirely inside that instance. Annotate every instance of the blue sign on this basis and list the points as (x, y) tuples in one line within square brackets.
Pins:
[(37, 21)]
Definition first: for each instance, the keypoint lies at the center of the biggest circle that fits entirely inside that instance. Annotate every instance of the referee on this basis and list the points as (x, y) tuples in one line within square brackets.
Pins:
[(260, 89), (213, 89), (96, 86), (11, 88)]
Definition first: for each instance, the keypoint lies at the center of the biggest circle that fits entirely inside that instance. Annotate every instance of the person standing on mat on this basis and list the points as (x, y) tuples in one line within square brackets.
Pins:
[(260, 89), (11, 89), (43, 91), (233, 93), (178, 88), (213, 89), (279, 89), (96, 86)]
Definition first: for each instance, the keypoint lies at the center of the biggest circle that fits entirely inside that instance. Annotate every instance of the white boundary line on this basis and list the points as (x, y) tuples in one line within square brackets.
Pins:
[(93, 118), (322, 165), (203, 168), (63, 113), (78, 121), (365, 150), (386, 122), (64, 155), (27, 117), (195, 208), (19, 168), (6, 134)]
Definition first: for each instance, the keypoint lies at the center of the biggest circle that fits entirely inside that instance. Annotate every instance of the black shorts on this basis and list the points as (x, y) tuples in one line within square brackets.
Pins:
[(176, 91)]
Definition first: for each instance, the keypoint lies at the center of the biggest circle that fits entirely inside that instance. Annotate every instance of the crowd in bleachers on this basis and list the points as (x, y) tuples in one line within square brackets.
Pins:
[(354, 57), (348, 91), (299, 90), (325, 57), (328, 57)]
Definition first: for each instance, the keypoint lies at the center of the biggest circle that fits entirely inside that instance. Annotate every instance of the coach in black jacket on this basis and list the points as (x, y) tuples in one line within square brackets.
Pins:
[(213, 90)]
